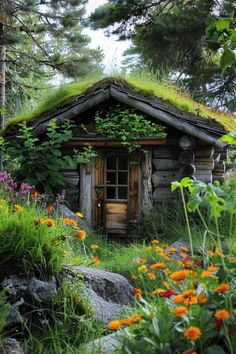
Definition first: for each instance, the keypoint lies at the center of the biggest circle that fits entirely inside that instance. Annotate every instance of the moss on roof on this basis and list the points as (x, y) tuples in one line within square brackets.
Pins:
[(147, 87)]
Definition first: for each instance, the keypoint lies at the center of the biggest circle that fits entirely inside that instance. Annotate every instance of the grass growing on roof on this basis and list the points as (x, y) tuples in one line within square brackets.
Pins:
[(141, 84)]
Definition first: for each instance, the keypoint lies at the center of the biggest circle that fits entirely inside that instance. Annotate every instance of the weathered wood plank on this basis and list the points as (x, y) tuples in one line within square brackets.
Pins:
[(204, 151), (146, 198), (219, 167), (166, 152), (134, 168), (116, 216), (186, 157), (187, 170), (85, 193), (204, 175), (204, 165)]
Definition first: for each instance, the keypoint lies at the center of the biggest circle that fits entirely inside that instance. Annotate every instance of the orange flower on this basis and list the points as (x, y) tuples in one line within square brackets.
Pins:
[(167, 271), (189, 293), (80, 215), (183, 255), (213, 268), (233, 259), (138, 293), (94, 247), (184, 249), (141, 260), (18, 208), (50, 222), (50, 208), (96, 260), (172, 249), (114, 325), (222, 315), (192, 333), (34, 194), (191, 301), (134, 277), (134, 319), (142, 269), (178, 298), (206, 274), (179, 262), (157, 265), (179, 275), (180, 311), (81, 234), (68, 221), (151, 276), (155, 242), (158, 249), (158, 292), (202, 298), (235, 312), (222, 288)]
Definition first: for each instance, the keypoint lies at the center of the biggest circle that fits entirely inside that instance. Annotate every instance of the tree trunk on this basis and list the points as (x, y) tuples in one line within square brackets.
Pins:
[(2, 81)]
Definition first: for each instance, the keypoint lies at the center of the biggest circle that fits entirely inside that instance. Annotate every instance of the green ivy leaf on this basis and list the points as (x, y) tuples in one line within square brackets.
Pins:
[(229, 138), (227, 58)]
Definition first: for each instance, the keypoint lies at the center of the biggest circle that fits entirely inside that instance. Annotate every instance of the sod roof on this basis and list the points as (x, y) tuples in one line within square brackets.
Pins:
[(69, 94)]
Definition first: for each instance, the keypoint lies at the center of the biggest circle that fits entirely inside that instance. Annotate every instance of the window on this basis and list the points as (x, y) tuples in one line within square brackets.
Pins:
[(117, 177)]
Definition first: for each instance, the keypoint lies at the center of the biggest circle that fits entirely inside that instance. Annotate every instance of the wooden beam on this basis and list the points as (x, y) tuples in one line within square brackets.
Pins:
[(164, 117), (111, 142)]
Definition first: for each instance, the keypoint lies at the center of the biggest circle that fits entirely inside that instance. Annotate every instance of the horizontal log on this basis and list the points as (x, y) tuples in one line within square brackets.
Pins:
[(166, 152), (186, 157), (204, 151), (164, 178), (220, 167), (217, 178), (187, 142), (204, 163), (224, 155), (71, 177), (187, 170), (204, 175), (166, 164), (162, 194)]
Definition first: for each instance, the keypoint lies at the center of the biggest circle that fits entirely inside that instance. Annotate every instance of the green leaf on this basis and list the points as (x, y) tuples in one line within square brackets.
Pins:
[(223, 24), (174, 186), (214, 349), (227, 59), (229, 138)]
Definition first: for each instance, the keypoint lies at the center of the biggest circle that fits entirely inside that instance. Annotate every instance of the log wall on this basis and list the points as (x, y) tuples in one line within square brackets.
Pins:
[(184, 156)]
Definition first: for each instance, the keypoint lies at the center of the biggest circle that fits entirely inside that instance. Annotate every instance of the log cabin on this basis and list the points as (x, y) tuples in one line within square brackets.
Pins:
[(116, 187)]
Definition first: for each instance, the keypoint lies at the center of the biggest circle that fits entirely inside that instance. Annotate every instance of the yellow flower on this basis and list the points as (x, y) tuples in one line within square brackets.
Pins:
[(80, 215), (223, 287), (157, 265), (192, 333), (158, 249), (180, 311), (184, 249), (50, 222), (151, 276), (179, 262), (213, 268), (148, 248), (222, 315), (81, 234), (134, 277), (158, 292), (94, 247), (142, 269), (172, 249), (166, 284), (183, 255)]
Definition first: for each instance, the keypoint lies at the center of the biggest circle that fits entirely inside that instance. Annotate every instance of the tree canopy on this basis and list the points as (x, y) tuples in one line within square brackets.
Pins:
[(181, 38)]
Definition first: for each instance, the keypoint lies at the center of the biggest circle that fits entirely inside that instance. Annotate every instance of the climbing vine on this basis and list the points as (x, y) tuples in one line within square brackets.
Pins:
[(128, 125)]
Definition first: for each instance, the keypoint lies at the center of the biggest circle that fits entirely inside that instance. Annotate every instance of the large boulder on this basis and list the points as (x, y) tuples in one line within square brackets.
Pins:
[(109, 294), (104, 345), (10, 346)]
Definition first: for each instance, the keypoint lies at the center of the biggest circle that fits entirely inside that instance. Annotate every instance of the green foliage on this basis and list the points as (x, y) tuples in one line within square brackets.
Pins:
[(29, 246), (171, 38), (41, 162), (127, 125)]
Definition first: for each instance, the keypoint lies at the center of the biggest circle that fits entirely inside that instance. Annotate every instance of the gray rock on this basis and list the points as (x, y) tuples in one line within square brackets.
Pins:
[(10, 346), (109, 294), (111, 287), (103, 310), (104, 345), (24, 294)]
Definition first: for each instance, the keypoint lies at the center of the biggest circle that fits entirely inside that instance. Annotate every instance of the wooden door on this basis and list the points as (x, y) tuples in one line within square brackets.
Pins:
[(117, 191)]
